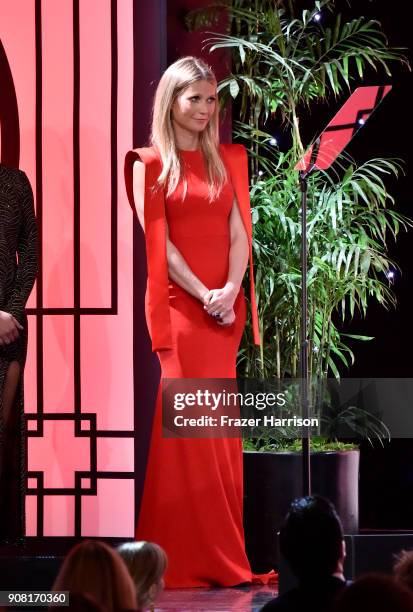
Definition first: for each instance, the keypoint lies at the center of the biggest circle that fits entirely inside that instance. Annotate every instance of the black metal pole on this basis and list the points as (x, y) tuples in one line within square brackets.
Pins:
[(306, 458)]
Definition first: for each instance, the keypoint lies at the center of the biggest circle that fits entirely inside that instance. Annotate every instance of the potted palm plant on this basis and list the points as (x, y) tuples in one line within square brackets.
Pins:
[(284, 62)]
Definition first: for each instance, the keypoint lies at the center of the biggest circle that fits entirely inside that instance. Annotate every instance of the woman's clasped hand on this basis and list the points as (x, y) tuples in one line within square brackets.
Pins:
[(219, 303)]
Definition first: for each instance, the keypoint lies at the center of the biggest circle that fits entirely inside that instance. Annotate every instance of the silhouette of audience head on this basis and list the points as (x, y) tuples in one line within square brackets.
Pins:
[(375, 592), (94, 569), (146, 563), (403, 568), (311, 539)]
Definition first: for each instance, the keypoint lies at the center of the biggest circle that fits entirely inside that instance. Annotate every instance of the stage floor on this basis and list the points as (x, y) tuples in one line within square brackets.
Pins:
[(241, 599)]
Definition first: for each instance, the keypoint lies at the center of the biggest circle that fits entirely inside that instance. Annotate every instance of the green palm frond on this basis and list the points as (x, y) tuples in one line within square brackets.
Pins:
[(349, 226), (284, 62)]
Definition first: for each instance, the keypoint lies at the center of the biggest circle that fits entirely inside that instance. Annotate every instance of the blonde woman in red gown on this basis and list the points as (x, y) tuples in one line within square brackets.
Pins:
[(191, 196)]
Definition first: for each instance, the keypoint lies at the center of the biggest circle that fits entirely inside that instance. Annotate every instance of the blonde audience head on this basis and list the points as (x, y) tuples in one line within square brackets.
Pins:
[(147, 563)]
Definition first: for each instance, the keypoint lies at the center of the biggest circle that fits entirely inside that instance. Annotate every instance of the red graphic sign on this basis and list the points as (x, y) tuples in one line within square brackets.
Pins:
[(341, 129)]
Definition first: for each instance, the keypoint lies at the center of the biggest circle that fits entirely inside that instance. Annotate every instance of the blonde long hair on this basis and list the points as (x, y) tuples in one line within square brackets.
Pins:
[(175, 79)]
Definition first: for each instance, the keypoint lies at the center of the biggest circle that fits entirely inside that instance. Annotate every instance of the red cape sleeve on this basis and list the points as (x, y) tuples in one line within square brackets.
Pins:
[(159, 322), (236, 162)]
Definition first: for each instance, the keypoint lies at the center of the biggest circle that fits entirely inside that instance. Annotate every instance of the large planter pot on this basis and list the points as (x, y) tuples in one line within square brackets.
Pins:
[(273, 480)]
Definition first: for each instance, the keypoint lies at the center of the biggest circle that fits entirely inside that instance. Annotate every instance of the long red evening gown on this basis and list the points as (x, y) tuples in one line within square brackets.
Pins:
[(192, 501)]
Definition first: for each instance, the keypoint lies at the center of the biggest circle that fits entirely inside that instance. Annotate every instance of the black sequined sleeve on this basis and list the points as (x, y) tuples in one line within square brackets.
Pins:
[(26, 252)]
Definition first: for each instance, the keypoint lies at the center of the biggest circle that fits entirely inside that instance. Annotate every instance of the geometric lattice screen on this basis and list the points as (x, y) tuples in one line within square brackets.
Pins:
[(69, 124)]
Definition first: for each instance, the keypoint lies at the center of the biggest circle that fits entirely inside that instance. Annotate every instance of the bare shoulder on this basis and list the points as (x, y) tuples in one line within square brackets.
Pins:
[(138, 167), (139, 171), (138, 177), (139, 189)]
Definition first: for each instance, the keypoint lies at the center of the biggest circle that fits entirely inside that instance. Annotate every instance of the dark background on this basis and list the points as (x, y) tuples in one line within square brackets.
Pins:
[(386, 475)]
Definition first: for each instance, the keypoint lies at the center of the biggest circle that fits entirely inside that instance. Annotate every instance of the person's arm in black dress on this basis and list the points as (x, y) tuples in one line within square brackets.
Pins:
[(26, 251)]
